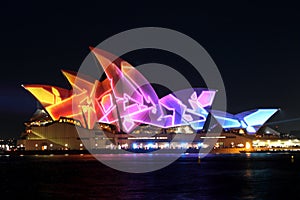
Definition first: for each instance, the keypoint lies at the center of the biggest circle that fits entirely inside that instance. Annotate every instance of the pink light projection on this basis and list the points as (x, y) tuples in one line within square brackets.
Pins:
[(106, 102), (125, 98)]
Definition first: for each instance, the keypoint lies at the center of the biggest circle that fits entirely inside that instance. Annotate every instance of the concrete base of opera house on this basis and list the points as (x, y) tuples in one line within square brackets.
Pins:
[(60, 137)]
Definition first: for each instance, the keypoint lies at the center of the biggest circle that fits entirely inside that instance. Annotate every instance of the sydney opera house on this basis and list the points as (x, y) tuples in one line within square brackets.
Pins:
[(124, 111)]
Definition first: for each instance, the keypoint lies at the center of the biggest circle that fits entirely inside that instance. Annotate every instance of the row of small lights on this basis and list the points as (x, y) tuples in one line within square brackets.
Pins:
[(51, 145), (149, 145)]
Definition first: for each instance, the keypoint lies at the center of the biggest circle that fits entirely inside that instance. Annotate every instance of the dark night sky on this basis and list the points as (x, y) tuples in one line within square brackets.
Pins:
[(255, 46)]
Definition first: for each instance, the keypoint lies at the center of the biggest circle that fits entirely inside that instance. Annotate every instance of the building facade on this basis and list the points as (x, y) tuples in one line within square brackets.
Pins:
[(124, 111)]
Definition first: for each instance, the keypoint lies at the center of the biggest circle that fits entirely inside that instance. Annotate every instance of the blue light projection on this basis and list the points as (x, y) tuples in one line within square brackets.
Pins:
[(252, 120)]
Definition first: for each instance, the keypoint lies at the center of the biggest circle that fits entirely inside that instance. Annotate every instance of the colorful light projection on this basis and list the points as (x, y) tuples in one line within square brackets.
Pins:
[(251, 120), (126, 99)]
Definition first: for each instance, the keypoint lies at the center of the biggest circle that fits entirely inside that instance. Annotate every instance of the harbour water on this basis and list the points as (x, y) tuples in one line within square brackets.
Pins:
[(216, 176)]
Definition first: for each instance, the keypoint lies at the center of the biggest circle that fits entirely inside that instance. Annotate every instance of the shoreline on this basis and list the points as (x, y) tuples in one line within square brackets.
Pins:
[(143, 151), (115, 151)]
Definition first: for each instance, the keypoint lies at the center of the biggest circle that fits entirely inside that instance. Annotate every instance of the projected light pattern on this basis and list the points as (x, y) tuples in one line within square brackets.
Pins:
[(126, 99), (252, 120)]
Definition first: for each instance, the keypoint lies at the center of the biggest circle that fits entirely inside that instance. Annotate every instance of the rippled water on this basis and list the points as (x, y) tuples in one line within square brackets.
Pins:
[(236, 176)]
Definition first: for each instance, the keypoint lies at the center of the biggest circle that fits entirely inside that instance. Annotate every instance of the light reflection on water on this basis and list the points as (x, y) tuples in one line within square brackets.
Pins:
[(230, 176)]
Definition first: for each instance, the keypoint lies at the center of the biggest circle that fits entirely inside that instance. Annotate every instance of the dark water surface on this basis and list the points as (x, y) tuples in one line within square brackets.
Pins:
[(217, 176)]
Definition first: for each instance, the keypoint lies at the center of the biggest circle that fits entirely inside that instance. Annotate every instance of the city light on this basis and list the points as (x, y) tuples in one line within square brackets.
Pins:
[(248, 145)]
